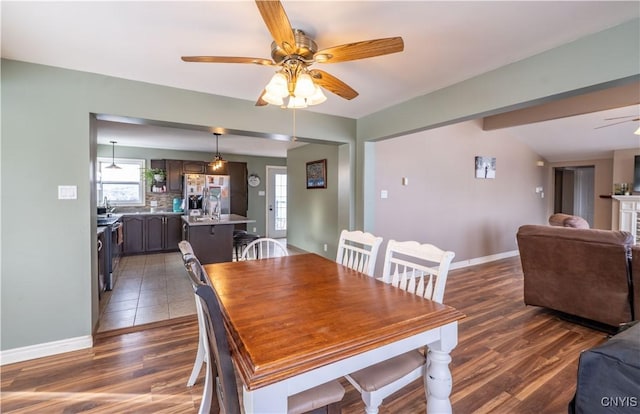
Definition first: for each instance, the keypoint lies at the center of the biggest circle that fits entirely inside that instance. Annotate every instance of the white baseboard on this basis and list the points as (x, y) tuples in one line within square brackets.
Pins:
[(484, 259), (26, 353)]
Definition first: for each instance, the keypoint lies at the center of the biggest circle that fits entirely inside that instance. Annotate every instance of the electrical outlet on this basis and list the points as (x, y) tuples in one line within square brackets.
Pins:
[(325, 247), (254, 229)]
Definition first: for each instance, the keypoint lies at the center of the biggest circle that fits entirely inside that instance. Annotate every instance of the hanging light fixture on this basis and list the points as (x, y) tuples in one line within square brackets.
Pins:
[(217, 163), (293, 87), (113, 156)]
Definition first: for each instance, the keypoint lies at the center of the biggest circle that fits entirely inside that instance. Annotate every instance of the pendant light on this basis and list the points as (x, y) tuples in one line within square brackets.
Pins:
[(113, 156), (217, 163)]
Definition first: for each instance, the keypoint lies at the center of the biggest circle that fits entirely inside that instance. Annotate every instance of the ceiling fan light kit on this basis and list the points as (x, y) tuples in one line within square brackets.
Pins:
[(294, 85)]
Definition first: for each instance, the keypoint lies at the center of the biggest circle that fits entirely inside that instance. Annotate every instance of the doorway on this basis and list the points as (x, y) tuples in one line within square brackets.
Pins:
[(574, 191), (276, 202)]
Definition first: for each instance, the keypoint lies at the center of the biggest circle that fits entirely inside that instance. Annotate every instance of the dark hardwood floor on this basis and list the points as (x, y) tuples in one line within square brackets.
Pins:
[(510, 359)]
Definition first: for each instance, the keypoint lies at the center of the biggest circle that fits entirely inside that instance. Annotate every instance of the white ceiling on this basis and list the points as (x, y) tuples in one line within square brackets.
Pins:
[(445, 42)]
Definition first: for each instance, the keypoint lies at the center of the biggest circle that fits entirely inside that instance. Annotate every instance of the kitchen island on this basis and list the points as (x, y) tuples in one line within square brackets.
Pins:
[(212, 239)]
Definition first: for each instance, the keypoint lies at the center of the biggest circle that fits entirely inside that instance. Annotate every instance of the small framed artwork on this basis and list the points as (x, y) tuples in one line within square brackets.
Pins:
[(317, 174), (485, 167)]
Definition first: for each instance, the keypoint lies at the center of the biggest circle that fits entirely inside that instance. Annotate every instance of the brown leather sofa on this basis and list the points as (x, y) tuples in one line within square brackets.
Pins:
[(581, 272)]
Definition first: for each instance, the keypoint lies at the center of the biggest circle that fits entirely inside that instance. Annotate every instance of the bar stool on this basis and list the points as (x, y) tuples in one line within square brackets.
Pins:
[(241, 238)]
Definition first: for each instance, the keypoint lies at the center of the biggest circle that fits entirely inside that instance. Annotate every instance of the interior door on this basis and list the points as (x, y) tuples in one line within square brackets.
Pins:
[(276, 202)]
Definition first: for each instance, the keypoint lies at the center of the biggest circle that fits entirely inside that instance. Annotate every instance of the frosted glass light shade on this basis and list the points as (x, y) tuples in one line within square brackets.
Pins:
[(295, 102), (277, 86), (304, 86), (317, 97), (272, 99)]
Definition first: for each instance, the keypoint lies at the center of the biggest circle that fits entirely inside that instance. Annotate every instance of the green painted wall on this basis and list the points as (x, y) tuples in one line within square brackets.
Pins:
[(48, 264)]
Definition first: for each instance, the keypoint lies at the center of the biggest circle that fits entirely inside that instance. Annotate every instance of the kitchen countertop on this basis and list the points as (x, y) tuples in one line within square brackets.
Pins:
[(148, 212), (224, 219)]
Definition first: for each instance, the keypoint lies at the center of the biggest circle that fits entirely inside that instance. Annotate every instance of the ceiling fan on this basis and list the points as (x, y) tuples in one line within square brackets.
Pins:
[(635, 118), (293, 51)]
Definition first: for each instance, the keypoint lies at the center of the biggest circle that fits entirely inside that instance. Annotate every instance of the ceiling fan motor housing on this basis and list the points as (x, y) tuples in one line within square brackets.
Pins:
[(305, 48)]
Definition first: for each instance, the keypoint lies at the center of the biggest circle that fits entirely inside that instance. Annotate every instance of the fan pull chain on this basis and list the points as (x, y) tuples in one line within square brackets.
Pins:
[(294, 125)]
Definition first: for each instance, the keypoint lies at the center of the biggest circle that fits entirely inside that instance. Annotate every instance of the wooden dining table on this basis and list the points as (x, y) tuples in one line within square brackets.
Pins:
[(299, 321)]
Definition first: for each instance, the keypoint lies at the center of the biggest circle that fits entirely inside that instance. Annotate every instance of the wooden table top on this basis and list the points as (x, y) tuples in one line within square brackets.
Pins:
[(293, 314)]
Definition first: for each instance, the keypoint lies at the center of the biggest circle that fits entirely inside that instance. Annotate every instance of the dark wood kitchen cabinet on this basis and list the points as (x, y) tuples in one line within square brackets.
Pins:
[(174, 175), (194, 167), (163, 232), (174, 232), (151, 233), (155, 233), (134, 237)]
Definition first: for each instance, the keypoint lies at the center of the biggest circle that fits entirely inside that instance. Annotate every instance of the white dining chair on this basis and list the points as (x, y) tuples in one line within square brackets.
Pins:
[(263, 248), (197, 277), (420, 269), (358, 250), (185, 248)]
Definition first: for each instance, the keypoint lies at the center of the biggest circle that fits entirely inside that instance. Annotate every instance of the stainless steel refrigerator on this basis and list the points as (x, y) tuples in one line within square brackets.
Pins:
[(197, 186)]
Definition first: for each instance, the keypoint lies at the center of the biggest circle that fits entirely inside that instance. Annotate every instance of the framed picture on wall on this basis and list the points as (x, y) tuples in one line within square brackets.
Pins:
[(485, 167), (317, 174)]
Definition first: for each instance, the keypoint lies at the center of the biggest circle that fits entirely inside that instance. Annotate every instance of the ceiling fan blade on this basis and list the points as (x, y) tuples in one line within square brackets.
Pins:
[(278, 24), (620, 117), (228, 59), (360, 50), (333, 84), (616, 123), (260, 101)]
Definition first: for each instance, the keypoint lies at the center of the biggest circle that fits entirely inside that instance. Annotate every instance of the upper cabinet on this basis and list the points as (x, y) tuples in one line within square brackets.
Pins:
[(193, 167), (174, 175)]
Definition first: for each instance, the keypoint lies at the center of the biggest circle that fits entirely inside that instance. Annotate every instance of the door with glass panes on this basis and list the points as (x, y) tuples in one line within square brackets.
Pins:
[(276, 202)]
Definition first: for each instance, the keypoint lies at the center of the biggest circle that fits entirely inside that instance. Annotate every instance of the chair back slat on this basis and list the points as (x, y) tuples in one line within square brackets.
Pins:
[(358, 250), (263, 248), (421, 269)]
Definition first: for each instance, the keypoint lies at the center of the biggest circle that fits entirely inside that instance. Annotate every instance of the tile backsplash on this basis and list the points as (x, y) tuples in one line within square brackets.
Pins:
[(164, 200)]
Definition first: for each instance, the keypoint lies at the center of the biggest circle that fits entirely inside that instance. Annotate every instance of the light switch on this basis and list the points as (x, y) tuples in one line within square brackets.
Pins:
[(261, 193), (405, 180), (384, 194), (67, 192)]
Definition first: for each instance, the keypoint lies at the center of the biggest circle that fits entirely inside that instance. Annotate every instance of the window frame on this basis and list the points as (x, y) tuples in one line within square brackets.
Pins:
[(141, 182)]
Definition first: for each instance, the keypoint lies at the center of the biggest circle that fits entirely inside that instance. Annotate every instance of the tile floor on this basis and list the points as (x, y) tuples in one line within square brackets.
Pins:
[(150, 288)]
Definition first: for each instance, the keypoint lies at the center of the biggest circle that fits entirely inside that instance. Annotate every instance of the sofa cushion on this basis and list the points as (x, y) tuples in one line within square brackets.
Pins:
[(567, 220)]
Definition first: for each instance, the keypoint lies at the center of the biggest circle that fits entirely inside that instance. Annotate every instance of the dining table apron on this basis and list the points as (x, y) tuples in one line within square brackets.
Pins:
[(299, 321)]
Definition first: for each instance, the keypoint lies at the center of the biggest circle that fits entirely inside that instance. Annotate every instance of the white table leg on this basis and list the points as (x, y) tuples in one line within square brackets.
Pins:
[(438, 376), (438, 382), (268, 400)]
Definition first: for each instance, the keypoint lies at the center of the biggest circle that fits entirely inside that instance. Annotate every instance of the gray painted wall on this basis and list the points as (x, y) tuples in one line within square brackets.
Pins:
[(589, 62), (443, 203), (48, 264)]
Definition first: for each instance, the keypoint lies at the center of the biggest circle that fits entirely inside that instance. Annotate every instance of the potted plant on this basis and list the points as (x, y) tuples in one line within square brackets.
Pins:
[(154, 174)]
